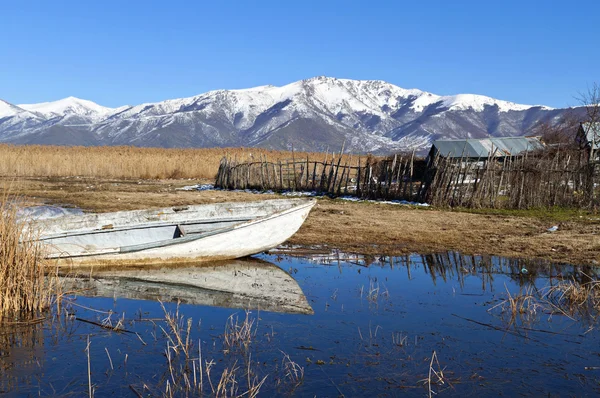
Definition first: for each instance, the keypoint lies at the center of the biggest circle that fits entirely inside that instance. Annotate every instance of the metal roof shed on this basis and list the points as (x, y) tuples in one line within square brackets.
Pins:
[(485, 147), (589, 134)]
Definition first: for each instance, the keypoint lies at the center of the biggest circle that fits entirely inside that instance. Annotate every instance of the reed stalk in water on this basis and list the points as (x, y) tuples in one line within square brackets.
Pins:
[(24, 290)]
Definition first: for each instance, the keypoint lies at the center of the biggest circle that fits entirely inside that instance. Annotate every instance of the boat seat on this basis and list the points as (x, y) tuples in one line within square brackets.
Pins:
[(179, 231)]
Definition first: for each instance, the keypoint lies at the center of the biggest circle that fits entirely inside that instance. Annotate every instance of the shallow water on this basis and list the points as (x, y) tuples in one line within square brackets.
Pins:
[(376, 323)]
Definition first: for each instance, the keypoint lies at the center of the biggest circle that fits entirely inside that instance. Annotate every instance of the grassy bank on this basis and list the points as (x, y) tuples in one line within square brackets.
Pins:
[(23, 287), (128, 162)]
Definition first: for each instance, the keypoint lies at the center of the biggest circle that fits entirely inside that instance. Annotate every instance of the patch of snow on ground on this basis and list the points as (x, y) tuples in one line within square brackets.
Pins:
[(314, 194), (384, 202), (44, 212), (197, 187)]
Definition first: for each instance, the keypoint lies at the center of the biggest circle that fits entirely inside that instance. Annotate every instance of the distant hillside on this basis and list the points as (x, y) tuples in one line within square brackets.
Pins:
[(312, 115)]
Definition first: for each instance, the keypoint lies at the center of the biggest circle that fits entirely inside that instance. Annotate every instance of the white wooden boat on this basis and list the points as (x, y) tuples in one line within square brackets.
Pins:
[(240, 283), (173, 235)]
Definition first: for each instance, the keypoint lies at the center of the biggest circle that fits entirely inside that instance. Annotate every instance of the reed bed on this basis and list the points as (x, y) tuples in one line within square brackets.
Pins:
[(578, 299), (127, 161), (24, 290), (189, 373)]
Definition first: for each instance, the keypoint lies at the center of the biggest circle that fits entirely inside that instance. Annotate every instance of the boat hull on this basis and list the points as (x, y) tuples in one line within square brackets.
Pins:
[(110, 239)]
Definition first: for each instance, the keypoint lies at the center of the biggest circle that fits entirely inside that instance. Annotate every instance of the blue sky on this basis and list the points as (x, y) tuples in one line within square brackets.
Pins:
[(129, 52)]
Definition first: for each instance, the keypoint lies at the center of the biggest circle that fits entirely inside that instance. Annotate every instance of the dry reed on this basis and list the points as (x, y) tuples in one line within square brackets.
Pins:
[(434, 377), (523, 306), (293, 372), (128, 162), (190, 375), (24, 290), (238, 335), (576, 299)]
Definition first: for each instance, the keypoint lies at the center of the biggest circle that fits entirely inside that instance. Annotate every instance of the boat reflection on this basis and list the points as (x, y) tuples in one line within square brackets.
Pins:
[(242, 283)]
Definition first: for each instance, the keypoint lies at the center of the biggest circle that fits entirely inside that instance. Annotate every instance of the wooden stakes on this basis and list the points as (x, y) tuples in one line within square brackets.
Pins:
[(546, 180)]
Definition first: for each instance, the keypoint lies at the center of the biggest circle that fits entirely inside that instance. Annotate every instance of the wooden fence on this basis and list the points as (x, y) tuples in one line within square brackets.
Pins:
[(375, 179), (534, 180), (530, 181)]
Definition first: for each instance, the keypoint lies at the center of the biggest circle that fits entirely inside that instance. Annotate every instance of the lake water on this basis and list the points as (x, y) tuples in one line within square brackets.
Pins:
[(357, 325)]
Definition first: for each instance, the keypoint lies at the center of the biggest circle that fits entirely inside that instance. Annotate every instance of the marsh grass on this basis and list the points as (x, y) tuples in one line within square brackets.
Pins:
[(522, 307), (238, 334), (435, 376), (578, 300), (129, 162), (293, 372), (24, 289), (189, 374)]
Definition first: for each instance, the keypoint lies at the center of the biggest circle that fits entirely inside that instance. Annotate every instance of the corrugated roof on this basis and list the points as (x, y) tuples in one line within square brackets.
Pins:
[(592, 133), (485, 147)]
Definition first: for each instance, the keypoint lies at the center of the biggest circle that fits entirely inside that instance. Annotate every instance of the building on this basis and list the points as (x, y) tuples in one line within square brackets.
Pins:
[(588, 137), (484, 148)]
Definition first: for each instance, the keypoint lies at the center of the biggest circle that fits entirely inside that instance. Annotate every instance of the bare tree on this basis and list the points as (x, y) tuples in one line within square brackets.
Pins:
[(590, 99), (562, 133)]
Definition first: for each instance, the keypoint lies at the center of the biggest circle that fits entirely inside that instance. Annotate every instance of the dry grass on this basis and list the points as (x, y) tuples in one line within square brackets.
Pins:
[(576, 299), (128, 162), (238, 335), (523, 306), (193, 376), (352, 227), (293, 372), (24, 290), (435, 376)]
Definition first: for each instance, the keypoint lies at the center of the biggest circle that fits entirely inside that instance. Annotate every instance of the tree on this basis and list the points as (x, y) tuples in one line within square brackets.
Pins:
[(562, 133), (590, 99)]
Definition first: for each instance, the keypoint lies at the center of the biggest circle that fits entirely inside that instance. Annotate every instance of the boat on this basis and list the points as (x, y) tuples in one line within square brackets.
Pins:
[(217, 231), (240, 283)]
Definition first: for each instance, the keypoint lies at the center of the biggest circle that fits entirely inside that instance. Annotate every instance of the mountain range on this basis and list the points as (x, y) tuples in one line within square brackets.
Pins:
[(313, 114)]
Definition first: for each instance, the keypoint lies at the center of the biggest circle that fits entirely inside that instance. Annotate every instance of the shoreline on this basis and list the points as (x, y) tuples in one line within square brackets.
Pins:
[(358, 227)]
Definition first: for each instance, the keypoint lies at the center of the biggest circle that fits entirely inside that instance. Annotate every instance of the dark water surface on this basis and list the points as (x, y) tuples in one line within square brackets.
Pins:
[(376, 323)]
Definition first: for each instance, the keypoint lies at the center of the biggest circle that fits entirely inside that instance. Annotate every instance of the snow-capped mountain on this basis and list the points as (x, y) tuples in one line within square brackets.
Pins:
[(312, 114)]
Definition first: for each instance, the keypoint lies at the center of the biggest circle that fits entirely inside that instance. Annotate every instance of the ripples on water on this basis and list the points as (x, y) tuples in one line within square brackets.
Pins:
[(358, 325)]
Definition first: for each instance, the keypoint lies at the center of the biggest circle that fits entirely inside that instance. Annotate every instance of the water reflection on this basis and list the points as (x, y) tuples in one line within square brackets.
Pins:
[(376, 322), (243, 283), (21, 355), (454, 266)]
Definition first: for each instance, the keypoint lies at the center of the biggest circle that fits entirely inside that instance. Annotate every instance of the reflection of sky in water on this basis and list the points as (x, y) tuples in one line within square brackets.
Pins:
[(355, 336)]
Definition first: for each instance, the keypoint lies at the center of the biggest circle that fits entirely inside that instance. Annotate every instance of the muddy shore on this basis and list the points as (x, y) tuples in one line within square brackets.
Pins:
[(369, 228)]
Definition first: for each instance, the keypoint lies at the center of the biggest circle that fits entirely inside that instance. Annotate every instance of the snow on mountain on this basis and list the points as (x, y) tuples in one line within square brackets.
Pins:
[(469, 101), (312, 114), (7, 109), (68, 106)]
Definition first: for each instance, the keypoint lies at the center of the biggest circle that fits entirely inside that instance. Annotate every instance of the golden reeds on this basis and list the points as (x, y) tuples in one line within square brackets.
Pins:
[(187, 374), (238, 334), (23, 288), (576, 299), (128, 162)]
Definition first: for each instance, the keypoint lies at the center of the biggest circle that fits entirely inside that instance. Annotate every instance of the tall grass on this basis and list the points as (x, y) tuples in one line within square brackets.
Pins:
[(128, 162), (23, 288), (191, 375)]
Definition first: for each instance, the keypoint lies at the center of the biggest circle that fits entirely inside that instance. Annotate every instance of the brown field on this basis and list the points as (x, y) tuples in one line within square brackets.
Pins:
[(359, 227), (130, 162)]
